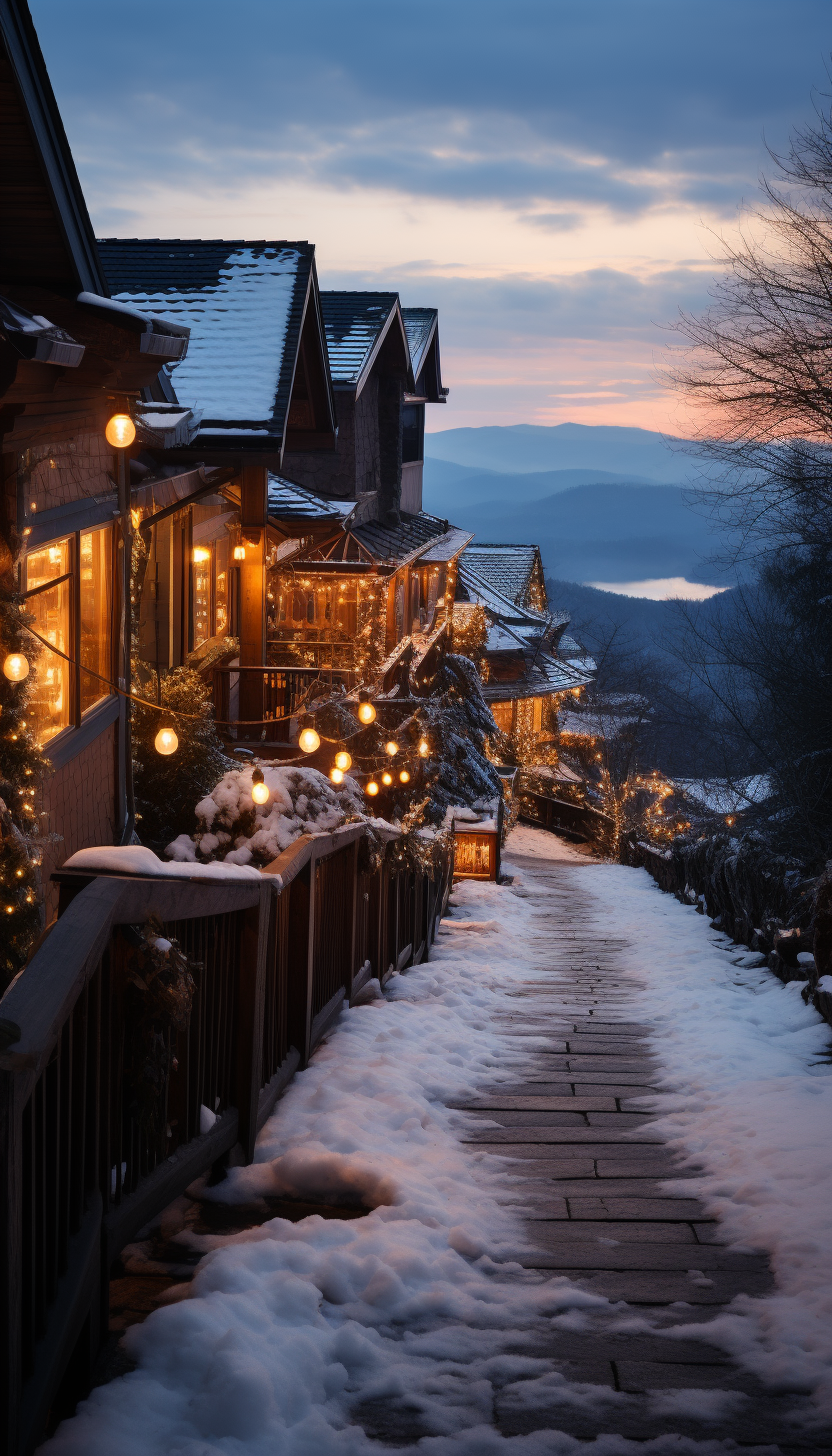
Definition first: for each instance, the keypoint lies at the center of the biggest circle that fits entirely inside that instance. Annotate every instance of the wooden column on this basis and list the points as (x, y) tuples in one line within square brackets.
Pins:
[(253, 507)]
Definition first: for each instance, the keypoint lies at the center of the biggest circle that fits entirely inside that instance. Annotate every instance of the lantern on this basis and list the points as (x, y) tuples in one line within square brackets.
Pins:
[(120, 432), (387, 779), (336, 775), (259, 788), (343, 760), (16, 667), (239, 553), (372, 788), (404, 777), (424, 747), (392, 748), (166, 742)]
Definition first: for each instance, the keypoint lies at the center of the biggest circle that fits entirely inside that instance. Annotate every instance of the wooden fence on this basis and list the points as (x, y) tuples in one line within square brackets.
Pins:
[(580, 821), (84, 1168)]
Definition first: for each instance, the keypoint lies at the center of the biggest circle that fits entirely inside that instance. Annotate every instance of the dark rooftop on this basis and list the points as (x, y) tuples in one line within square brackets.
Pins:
[(354, 323)]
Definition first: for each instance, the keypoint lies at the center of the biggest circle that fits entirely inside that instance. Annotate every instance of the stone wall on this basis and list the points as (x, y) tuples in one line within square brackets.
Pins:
[(80, 801)]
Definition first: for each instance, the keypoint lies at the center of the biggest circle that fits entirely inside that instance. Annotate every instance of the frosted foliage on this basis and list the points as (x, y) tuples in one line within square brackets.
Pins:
[(231, 827), (238, 333)]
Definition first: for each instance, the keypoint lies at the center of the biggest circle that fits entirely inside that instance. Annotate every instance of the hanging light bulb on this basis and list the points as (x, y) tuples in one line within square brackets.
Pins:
[(386, 779), (392, 748), (120, 432), (239, 553), (404, 777), (166, 741), (259, 789), (372, 788), (308, 739), (343, 760), (336, 775), (16, 667), (366, 713), (424, 747), (201, 554)]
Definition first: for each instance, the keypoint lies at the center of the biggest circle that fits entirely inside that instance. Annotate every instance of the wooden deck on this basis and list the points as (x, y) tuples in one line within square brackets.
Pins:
[(588, 1169)]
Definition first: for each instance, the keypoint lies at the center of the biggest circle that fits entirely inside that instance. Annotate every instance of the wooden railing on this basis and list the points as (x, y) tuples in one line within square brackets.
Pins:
[(581, 821), (83, 1164), (254, 703)]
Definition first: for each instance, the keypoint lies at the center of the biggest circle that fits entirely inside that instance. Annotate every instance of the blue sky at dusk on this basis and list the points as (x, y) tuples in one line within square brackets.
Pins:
[(547, 174)]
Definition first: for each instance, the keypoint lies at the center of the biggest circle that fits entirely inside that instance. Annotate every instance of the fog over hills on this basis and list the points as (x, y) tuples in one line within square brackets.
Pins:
[(519, 449)]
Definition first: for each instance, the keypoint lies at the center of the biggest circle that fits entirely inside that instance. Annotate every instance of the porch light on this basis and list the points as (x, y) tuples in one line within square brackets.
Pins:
[(201, 554), (120, 432), (404, 777), (424, 748), (343, 760), (166, 741), (371, 788), (386, 779), (392, 748), (16, 667), (336, 775), (259, 788), (239, 553)]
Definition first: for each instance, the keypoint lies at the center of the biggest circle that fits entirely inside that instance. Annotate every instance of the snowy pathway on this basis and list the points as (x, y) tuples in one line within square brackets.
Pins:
[(458, 1236)]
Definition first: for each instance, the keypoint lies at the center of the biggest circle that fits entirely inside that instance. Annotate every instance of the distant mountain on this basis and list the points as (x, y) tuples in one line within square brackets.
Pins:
[(604, 532), (450, 488), (520, 449)]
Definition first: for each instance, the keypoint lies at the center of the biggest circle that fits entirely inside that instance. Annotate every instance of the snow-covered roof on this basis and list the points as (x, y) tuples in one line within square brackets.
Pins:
[(447, 547), (356, 325), (395, 543), (290, 502), (509, 568), (243, 303)]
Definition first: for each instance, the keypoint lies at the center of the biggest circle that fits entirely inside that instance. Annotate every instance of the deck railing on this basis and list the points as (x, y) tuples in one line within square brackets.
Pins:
[(257, 703), (579, 820), (85, 1160)]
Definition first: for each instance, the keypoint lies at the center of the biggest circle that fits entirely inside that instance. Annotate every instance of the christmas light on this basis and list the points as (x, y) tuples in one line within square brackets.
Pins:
[(308, 741), (336, 775), (386, 779), (166, 741), (366, 713), (343, 760), (392, 748), (16, 667), (372, 788), (259, 788), (404, 776), (120, 432), (424, 747)]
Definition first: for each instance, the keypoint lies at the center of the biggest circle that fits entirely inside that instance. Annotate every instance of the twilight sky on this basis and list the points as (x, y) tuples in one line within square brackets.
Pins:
[(546, 173)]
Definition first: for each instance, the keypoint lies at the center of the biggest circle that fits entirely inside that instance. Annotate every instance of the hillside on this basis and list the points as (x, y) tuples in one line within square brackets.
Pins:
[(520, 449)]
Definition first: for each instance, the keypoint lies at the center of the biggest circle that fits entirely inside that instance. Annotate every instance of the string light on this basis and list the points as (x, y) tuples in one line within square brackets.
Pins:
[(424, 747), (404, 776), (120, 432), (392, 748), (366, 713), (16, 667), (337, 775), (309, 740), (372, 788), (260, 792), (343, 760), (166, 741), (386, 779)]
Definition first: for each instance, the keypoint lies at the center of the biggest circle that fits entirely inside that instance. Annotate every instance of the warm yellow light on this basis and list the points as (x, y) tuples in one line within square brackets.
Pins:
[(201, 554), (166, 741), (366, 714), (404, 776), (336, 775), (308, 741), (343, 760), (386, 778), (239, 553), (120, 432), (260, 793), (372, 788), (16, 667), (424, 747), (392, 748)]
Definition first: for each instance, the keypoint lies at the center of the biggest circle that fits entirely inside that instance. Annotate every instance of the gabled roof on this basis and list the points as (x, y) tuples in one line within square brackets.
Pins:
[(422, 329), (357, 326), (394, 544), (509, 568), (249, 306), (478, 589)]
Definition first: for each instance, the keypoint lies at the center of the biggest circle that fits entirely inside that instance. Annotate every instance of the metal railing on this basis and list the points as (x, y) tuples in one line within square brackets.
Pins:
[(87, 1157)]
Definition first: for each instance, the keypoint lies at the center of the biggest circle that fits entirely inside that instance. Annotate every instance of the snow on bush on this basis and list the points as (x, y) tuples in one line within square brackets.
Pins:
[(231, 827)]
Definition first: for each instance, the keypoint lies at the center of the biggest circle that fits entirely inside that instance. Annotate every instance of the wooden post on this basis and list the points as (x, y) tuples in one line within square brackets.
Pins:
[(353, 937), (253, 509), (251, 1001), (11, 1264)]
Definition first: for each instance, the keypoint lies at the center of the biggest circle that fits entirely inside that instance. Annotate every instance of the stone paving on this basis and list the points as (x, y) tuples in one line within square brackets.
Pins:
[(586, 1171)]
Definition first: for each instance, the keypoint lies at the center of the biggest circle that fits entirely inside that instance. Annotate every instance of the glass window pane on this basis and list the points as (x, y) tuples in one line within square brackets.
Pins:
[(47, 563), (96, 570), (50, 703), (222, 599), (203, 559)]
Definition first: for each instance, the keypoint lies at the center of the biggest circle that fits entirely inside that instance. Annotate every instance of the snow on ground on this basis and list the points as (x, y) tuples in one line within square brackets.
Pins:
[(752, 1068), (538, 844)]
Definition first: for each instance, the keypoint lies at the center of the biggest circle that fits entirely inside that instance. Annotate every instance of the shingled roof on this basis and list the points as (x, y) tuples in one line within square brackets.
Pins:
[(245, 304), (509, 568), (290, 502), (357, 324), (422, 328)]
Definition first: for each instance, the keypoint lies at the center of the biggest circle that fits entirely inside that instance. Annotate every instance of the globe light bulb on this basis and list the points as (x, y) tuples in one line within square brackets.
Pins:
[(392, 748), (16, 667), (343, 760), (201, 554), (404, 777), (308, 741), (372, 788), (387, 779), (366, 713), (337, 775), (166, 741), (424, 747), (120, 432)]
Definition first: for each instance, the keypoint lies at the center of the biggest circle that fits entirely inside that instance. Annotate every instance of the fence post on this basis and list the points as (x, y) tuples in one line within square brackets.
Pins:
[(11, 1265), (254, 944), (353, 920)]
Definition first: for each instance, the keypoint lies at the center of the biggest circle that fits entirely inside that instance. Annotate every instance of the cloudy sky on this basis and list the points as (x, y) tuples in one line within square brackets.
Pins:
[(549, 173)]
